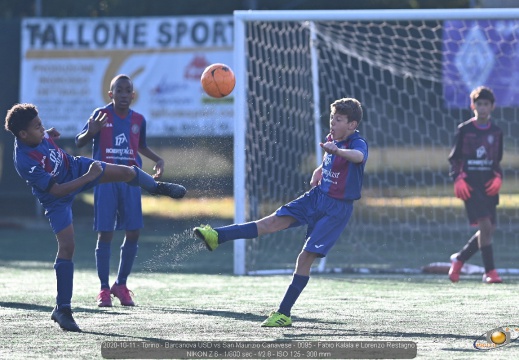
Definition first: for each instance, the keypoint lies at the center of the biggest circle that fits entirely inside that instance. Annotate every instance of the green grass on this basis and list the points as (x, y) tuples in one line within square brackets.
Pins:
[(185, 293), (201, 307)]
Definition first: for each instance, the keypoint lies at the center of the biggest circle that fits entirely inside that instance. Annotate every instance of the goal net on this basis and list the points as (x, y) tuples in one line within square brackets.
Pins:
[(413, 71)]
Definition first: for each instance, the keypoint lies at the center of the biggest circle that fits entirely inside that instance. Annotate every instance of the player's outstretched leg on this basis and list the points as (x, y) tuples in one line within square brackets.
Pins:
[(174, 191), (148, 183), (277, 319), (208, 235), (63, 316)]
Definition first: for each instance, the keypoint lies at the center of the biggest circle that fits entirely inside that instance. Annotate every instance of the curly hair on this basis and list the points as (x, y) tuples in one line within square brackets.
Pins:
[(19, 116)]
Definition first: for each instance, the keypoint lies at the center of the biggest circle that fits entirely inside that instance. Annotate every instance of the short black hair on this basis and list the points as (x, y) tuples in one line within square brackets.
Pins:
[(118, 77), (19, 116), (482, 93), (350, 107)]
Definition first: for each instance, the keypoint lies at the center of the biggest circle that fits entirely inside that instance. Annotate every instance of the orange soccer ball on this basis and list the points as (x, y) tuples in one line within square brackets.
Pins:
[(218, 80)]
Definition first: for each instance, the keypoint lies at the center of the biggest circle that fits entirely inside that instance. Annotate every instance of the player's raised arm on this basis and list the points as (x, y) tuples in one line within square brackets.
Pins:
[(352, 155), (94, 126)]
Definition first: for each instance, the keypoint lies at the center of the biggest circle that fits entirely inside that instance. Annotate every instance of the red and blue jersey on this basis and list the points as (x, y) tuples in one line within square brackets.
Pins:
[(119, 140), (477, 151), (342, 179), (42, 166)]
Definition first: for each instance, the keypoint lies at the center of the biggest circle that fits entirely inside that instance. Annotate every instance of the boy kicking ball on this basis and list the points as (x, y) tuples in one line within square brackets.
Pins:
[(56, 178), (325, 209)]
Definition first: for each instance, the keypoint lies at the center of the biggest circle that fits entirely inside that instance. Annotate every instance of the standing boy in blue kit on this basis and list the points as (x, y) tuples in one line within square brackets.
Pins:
[(119, 139)]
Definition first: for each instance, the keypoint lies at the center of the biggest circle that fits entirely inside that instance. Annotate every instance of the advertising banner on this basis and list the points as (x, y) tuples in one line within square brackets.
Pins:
[(67, 66), (483, 52)]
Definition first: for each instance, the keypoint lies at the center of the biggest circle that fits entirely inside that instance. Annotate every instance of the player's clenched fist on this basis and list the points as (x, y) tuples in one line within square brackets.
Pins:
[(329, 147), (95, 169)]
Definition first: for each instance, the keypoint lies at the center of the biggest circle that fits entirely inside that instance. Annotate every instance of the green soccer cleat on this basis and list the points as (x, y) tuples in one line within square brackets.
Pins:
[(276, 319), (208, 235)]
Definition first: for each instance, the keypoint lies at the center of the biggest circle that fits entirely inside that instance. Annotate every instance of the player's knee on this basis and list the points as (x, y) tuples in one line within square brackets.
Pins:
[(105, 236), (66, 250), (129, 173), (274, 223)]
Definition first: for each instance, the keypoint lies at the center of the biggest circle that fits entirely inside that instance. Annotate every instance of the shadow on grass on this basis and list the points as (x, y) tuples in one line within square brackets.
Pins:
[(126, 337), (339, 333), (24, 306), (44, 308)]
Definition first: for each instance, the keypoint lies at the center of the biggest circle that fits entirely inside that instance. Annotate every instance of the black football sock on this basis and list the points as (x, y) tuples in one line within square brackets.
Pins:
[(470, 248), (487, 253)]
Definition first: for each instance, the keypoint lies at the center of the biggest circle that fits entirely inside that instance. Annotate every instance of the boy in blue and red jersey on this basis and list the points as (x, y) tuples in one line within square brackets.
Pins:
[(475, 168), (56, 178), (325, 209), (117, 206)]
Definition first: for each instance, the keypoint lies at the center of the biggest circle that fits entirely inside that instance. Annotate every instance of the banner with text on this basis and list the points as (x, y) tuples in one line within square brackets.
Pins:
[(67, 66)]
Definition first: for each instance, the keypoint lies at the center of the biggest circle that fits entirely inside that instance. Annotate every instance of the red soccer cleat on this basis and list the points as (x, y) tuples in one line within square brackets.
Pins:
[(123, 294), (104, 299), (455, 270), (492, 277)]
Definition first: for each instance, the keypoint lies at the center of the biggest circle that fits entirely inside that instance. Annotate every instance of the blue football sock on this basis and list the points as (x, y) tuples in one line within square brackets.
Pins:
[(103, 253), (294, 290), (64, 280), (143, 179), (237, 231), (128, 253)]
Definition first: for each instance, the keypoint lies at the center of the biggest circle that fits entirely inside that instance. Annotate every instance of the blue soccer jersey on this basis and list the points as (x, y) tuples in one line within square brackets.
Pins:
[(118, 205), (342, 179), (327, 208), (42, 166), (119, 140)]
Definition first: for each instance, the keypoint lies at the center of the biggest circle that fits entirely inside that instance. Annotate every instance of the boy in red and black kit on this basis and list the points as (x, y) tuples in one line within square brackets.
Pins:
[(475, 167)]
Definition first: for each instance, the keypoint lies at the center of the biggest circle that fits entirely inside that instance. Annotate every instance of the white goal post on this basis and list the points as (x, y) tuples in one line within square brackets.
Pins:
[(413, 71)]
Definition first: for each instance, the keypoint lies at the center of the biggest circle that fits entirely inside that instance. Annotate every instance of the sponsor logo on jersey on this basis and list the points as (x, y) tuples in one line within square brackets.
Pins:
[(120, 139), (327, 159), (121, 152), (332, 174), (481, 152), (56, 158)]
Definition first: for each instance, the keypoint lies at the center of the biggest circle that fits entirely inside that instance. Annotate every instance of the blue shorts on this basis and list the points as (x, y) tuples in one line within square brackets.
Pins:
[(326, 218), (117, 206), (59, 211)]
